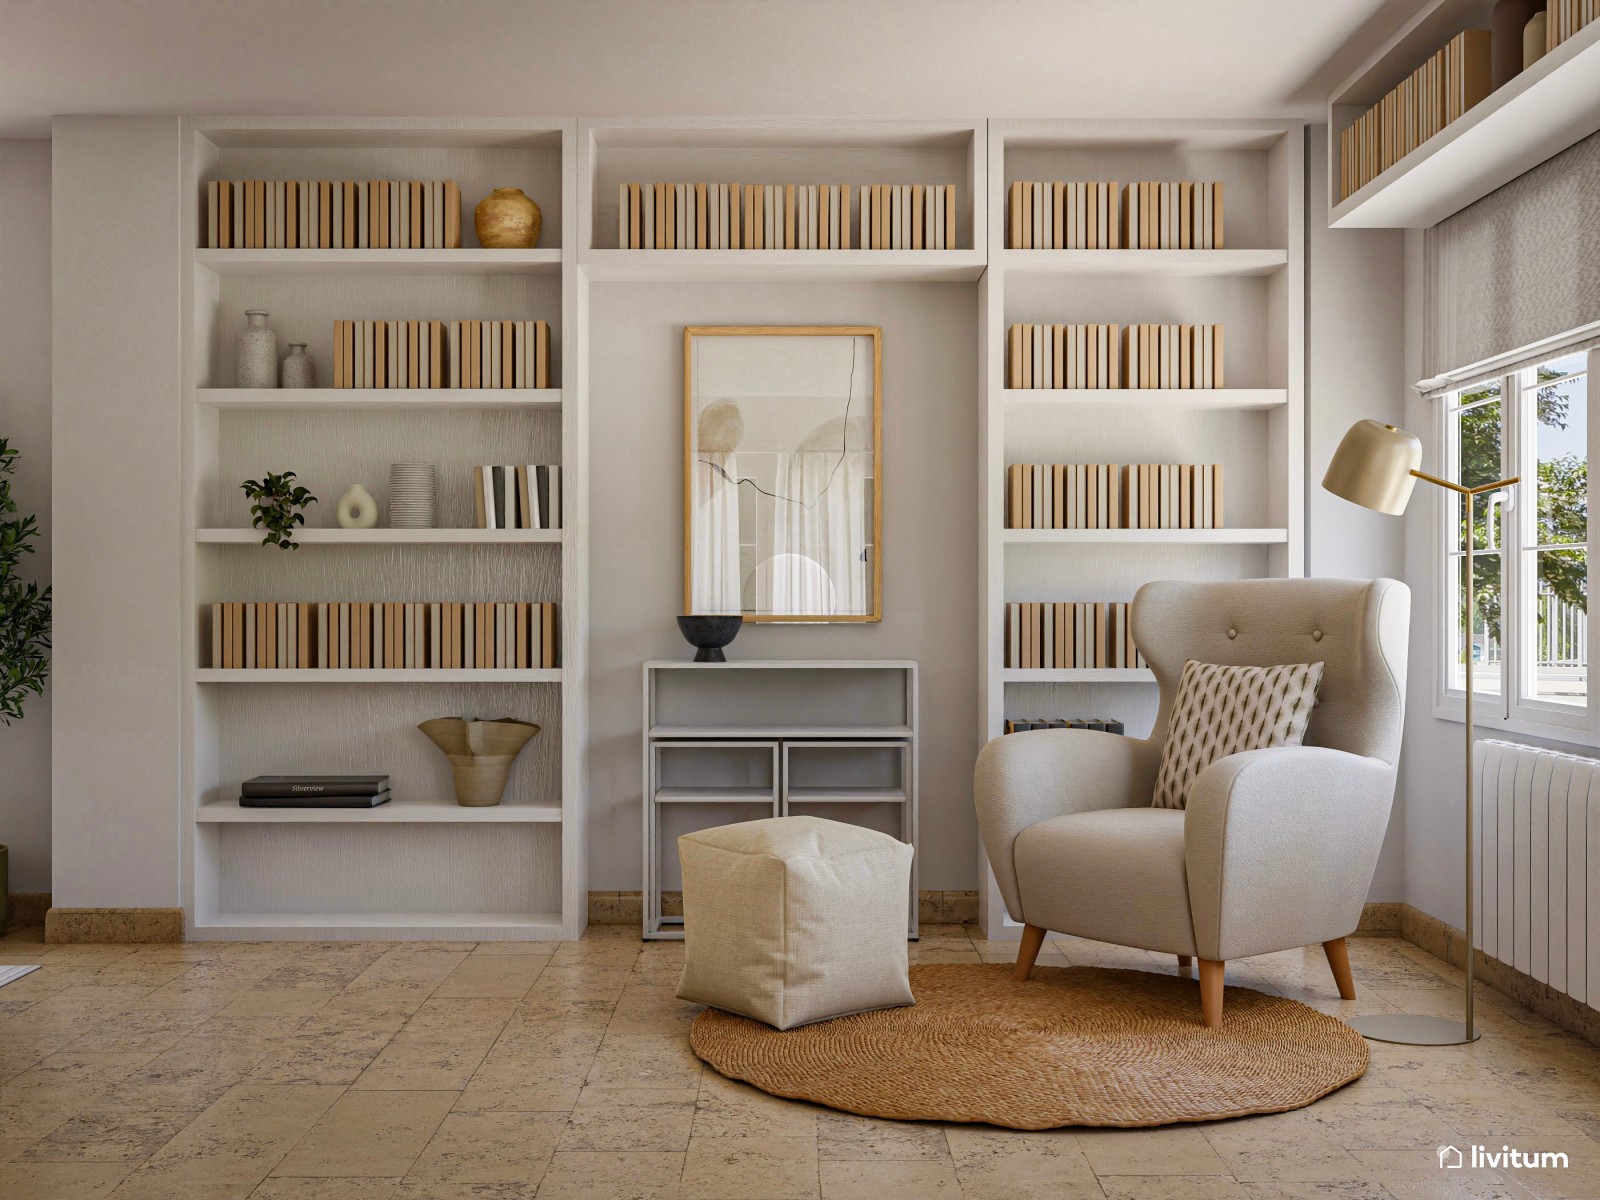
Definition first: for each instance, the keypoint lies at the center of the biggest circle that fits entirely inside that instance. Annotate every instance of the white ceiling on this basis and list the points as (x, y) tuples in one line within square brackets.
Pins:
[(884, 58)]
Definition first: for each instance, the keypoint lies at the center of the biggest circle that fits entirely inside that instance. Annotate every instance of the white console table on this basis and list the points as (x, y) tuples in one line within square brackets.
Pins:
[(738, 741)]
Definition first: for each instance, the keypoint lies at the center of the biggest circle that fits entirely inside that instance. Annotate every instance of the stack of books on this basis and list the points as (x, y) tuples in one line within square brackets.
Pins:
[(1173, 356), (908, 216), (1064, 356), (322, 214), (441, 354), (315, 791), (517, 497), (1173, 496), (1563, 18), (1439, 91), (733, 216), (1111, 496), (1099, 724), (1173, 215), (382, 635), (1058, 215), (1052, 635)]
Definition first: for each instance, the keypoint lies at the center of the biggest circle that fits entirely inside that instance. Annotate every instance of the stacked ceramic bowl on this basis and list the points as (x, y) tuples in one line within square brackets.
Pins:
[(413, 495)]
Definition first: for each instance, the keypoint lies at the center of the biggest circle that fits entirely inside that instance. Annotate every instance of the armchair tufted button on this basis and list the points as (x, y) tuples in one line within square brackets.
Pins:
[(1316, 635), (1233, 633)]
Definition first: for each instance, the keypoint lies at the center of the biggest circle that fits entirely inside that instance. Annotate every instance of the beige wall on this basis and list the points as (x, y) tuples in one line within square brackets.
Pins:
[(25, 421)]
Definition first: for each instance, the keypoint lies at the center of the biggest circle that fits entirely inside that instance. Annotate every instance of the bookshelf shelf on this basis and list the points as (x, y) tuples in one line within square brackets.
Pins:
[(1145, 262), (389, 675), (474, 261), (382, 926), (377, 399), (791, 732), (1536, 115), (396, 812), (1196, 399), (761, 266), (1148, 537), (388, 537), (1077, 675)]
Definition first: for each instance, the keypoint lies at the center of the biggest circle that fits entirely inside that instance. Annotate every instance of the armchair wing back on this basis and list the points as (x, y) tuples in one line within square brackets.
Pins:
[(1356, 627)]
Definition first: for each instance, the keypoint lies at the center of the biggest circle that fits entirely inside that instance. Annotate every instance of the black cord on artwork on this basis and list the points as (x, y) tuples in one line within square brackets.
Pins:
[(844, 447)]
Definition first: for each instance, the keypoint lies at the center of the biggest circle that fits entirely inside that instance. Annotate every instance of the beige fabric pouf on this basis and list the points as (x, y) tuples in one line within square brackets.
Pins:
[(792, 920)]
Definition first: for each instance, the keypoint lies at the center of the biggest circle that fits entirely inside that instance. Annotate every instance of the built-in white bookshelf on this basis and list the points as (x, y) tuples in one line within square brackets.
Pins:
[(1253, 426), (420, 866), (1536, 115)]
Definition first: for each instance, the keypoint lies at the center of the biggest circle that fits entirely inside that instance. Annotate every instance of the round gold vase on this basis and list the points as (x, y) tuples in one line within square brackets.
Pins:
[(507, 220)]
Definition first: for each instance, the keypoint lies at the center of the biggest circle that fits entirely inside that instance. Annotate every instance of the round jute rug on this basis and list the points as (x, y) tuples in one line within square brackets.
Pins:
[(1072, 1046)]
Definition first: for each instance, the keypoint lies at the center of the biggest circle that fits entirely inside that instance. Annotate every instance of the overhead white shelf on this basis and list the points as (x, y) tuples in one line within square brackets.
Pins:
[(396, 812), (790, 732), (1539, 113), (376, 399), (386, 675), (713, 795), (1150, 537), (380, 262), (1197, 399), (1078, 675), (846, 795), (381, 926), (758, 266), (386, 537), (1158, 263)]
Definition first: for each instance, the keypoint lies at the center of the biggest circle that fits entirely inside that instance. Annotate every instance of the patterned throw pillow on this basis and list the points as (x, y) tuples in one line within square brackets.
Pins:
[(1222, 710)]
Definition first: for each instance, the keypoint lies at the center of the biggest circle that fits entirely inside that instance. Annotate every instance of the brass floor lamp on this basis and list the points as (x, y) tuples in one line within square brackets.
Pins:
[(1375, 466)]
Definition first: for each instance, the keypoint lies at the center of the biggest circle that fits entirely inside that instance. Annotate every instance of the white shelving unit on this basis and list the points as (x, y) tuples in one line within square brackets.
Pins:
[(1254, 426), (1536, 115), (420, 867), (723, 744)]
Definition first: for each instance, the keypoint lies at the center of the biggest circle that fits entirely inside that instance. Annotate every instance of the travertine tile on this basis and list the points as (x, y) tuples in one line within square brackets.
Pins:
[(110, 1133), (648, 1119), (583, 1175), (517, 1083), (279, 1188), (488, 1148), (738, 1167), (504, 975), (421, 1062), (841, 1136), (728, 1108), (369, 1133), (1171, 1150), (60, 1181), (1000, 1164), (889, 1179), (1173, 1187)]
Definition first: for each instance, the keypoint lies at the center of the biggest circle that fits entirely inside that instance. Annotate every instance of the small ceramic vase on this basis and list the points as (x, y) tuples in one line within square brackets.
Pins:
[(297, 369), (481, 754), (357, 509), (256, 352), (1533, 40), (507, 220)]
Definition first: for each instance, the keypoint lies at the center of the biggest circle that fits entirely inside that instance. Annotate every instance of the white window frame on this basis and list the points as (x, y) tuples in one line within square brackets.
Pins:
[(1515, 710)]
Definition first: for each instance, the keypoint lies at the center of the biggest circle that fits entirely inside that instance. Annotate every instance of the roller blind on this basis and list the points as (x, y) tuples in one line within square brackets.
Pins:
[(1515, 272)]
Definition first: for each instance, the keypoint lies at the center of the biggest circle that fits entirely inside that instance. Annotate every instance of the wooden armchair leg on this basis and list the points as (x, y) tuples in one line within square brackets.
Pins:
[(1211, 974), (1339, 961), (1028, 951)]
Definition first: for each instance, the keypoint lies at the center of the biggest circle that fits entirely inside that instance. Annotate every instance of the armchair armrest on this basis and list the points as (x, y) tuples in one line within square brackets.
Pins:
[(1280, 846), (1024, 778)]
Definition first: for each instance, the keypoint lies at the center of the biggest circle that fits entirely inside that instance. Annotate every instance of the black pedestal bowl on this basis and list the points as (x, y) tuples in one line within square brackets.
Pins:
[(709, 634)]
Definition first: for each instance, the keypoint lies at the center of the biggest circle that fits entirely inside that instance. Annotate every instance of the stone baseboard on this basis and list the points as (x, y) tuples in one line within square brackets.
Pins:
[(627, 908), (115, 925)]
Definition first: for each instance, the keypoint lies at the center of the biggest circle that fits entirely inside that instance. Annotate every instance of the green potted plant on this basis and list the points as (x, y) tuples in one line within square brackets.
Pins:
[(276, 507), (24, 627)]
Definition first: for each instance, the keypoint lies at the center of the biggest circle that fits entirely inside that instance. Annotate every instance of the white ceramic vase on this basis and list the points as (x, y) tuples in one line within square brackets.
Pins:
[(256, 352), (357, 509), (298, 371)]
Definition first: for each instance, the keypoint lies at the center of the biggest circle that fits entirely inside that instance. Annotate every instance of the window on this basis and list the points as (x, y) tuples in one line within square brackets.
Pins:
[(1529, 632)]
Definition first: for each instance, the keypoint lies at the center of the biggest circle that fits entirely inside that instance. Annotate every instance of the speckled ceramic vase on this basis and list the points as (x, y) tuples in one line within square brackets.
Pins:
[(507, 220), (297, 369), (256, 352)]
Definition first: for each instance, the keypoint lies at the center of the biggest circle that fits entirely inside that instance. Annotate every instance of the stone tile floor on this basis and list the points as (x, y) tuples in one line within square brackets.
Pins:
[(503, 1071)]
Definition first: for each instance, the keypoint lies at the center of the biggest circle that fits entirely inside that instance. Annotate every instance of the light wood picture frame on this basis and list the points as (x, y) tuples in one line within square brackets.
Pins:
[(782, 497)]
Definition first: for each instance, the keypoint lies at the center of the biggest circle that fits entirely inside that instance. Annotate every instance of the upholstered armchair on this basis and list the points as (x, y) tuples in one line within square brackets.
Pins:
[(1276, 847)]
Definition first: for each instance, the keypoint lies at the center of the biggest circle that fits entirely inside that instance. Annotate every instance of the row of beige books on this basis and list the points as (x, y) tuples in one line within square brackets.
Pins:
[(784, 216), (1563, 18), (383, 635), (441, 354), (333, 214), (1112, 496), (1113, 356), (1438, 92), (1104, 215), (1055, 635)]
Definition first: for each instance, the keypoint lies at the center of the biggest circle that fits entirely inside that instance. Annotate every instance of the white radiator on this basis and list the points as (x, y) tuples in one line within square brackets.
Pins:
[(1537, 905)]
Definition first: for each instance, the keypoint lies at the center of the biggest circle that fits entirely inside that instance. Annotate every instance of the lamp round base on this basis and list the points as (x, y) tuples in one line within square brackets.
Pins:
[(1408, 1030)]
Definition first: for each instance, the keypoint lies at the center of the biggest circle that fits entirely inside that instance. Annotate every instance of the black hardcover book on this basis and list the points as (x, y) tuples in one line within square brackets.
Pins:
[(315, 801), (291, 786)]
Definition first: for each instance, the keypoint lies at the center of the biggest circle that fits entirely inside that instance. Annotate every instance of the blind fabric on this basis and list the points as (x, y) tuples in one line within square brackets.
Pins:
[(1519, 268)]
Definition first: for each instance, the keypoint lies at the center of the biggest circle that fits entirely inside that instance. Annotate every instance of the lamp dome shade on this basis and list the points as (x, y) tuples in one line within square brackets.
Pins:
[(1372, 467)]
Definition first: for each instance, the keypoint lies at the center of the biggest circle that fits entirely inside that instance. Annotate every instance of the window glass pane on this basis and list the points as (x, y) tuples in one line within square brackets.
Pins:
[(1559, 634), (1486, 640), (1475, 435), (1561, 409)]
